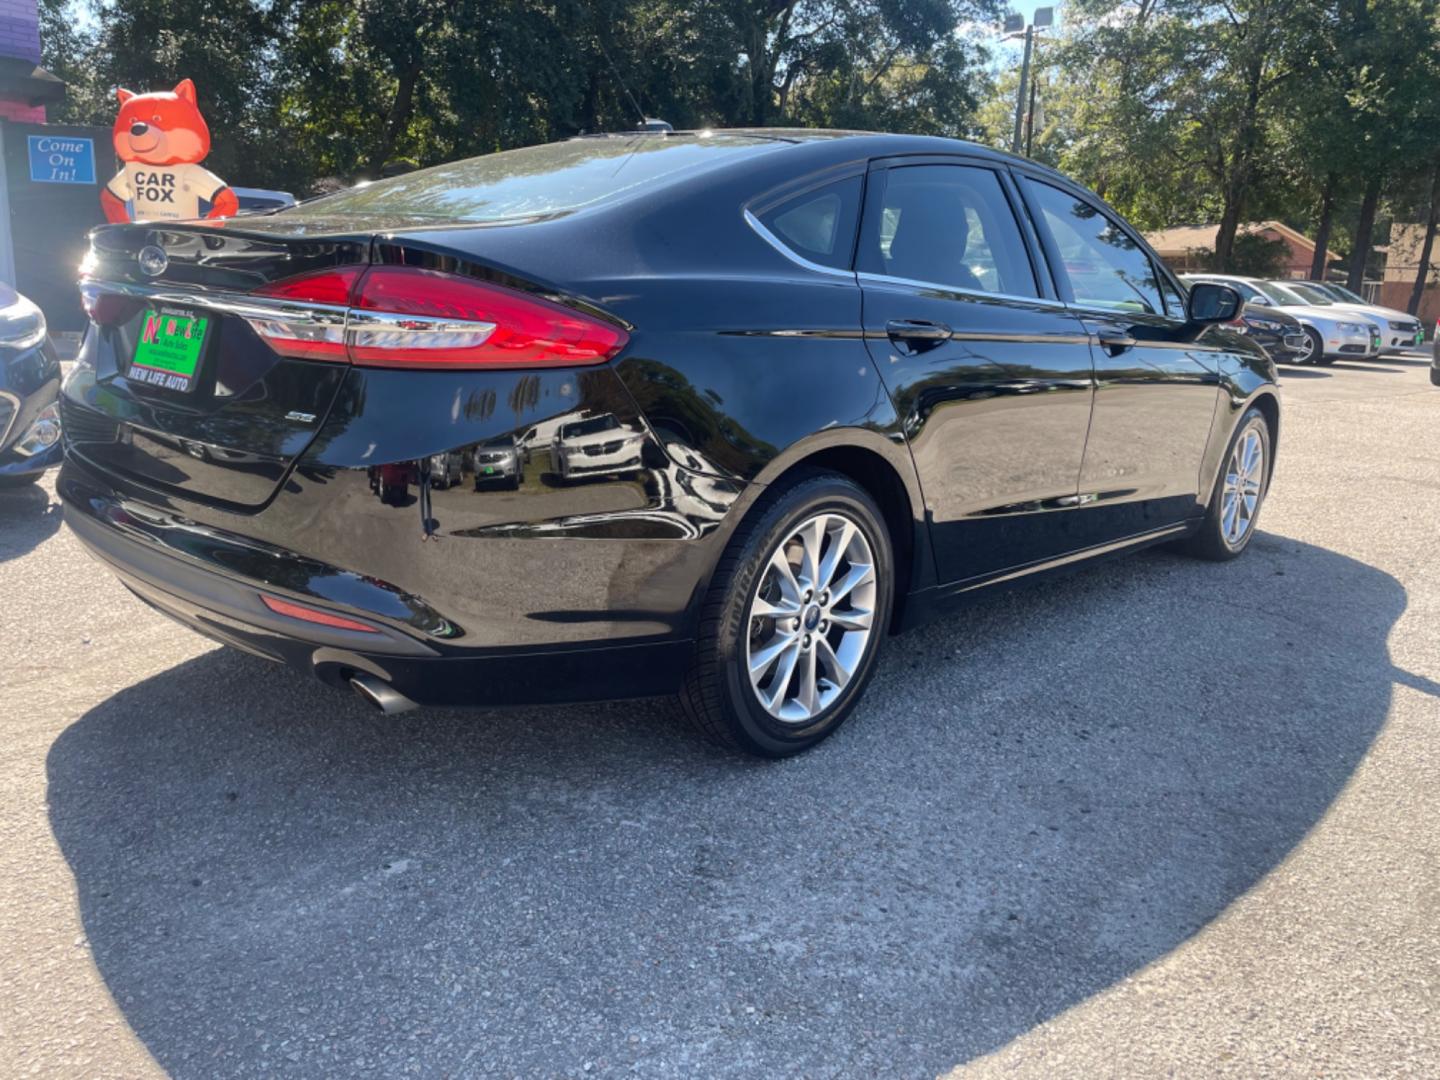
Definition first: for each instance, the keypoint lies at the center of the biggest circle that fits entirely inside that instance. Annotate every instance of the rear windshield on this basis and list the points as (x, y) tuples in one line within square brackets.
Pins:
[(540, 181)]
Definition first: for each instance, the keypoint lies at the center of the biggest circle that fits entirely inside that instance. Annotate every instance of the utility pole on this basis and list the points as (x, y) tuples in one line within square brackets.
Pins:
[(1014, 25), (1015, 143), (1030, 117)]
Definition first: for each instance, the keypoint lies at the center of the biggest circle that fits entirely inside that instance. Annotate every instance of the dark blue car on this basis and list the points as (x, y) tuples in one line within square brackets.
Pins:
[(29, 387)]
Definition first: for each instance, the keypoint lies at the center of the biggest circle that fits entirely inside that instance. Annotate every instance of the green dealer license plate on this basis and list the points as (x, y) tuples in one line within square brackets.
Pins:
[(168, 353)]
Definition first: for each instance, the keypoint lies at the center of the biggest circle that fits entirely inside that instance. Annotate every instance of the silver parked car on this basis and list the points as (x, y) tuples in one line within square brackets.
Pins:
[(1331, 332), (1399, 330)]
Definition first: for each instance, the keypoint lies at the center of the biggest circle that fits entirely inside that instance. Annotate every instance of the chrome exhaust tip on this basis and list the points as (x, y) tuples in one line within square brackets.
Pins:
[(380, 695)]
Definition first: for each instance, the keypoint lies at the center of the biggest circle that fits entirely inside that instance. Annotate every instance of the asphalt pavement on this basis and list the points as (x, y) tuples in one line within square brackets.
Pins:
[(1157, 818)]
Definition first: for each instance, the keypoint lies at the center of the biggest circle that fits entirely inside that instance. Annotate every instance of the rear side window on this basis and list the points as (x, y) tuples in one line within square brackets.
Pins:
[(1107, 268), (948, 225), (818, 225)]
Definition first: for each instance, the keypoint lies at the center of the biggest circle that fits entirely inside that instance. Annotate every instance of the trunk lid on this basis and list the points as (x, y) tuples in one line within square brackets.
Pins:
[(175, 389)]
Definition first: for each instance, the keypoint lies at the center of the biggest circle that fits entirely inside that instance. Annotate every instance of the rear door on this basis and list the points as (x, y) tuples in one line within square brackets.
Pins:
[(1157, 386), (176, 389), (988, 370)]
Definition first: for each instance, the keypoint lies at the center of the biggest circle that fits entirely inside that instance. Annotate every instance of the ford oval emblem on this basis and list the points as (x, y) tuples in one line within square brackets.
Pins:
[(153, 260)]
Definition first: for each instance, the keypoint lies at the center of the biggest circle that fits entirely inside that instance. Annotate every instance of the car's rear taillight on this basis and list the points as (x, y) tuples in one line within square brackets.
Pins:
[(402, 316)]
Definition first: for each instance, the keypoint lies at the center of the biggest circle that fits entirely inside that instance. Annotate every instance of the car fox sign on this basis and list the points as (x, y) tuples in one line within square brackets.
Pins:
[(162, 138)]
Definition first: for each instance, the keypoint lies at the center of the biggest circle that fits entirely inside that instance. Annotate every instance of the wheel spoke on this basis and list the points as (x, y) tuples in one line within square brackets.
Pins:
[(858, 575), (836, 672), (853, 619), (811, 535), (807, 696), (839, 544), (783, 673), (785, 577), (1228, 517), (784, 608), (761, 659)]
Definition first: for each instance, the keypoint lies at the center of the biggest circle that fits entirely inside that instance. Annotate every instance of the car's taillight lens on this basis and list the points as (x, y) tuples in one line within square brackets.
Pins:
[(402, 316)]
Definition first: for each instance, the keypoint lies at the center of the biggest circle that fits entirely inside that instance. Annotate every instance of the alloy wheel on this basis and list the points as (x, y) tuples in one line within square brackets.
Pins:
[(1244, 481), (811, 617)]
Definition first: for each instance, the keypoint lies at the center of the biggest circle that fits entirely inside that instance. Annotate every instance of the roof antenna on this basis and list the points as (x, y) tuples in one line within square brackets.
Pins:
[(621, 83)]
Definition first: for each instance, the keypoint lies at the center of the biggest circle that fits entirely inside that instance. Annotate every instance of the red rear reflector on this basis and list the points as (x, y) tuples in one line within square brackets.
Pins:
[(403, 316), (313, 615)]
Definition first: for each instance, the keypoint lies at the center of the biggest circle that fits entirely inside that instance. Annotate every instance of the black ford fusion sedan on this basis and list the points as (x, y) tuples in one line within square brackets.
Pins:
[(770, 396), (29, 385)]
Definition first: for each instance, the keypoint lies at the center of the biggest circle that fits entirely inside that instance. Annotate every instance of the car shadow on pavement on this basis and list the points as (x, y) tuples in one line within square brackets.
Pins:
[(30, 515), (1039, 795)]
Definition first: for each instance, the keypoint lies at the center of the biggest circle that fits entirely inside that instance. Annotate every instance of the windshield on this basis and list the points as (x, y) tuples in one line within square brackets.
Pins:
[(1310, 294), (539, 181), (1279, 294), (589, 427), (1342, 293)]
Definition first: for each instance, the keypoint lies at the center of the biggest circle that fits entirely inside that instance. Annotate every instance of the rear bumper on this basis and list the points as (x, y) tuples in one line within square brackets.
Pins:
[(188, 572)]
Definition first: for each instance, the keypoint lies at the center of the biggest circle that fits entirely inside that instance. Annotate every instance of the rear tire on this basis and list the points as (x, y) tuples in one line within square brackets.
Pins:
[(793, 621), (34, 478), (1435, 376), (1239, 494)]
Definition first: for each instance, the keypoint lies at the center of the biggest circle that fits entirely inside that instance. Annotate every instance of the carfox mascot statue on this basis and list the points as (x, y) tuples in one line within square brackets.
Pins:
[(162, 138)]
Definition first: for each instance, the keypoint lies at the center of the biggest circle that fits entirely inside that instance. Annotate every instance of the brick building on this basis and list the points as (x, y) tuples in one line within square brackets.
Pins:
[(1402, 263), (25, 87), (1188, 246)]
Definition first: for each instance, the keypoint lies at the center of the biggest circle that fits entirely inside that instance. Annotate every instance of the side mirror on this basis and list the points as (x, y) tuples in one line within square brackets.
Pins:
[(1211, 303)]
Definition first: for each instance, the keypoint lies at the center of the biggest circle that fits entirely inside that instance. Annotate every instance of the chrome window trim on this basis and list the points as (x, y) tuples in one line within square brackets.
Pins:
[(1095, 309), (799, 260), (979, 294)]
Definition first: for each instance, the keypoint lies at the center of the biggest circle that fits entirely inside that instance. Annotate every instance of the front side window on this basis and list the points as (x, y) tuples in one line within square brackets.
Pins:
[(947, 225), (1107, 268)]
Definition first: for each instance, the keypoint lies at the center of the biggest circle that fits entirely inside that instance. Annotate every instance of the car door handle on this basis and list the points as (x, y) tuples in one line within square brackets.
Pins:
[(916, 330), (1115, 342)]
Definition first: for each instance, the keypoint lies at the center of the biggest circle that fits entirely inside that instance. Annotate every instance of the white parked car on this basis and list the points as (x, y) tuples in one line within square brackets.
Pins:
[(1331, 332), (600, 444), (1399, 330)]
